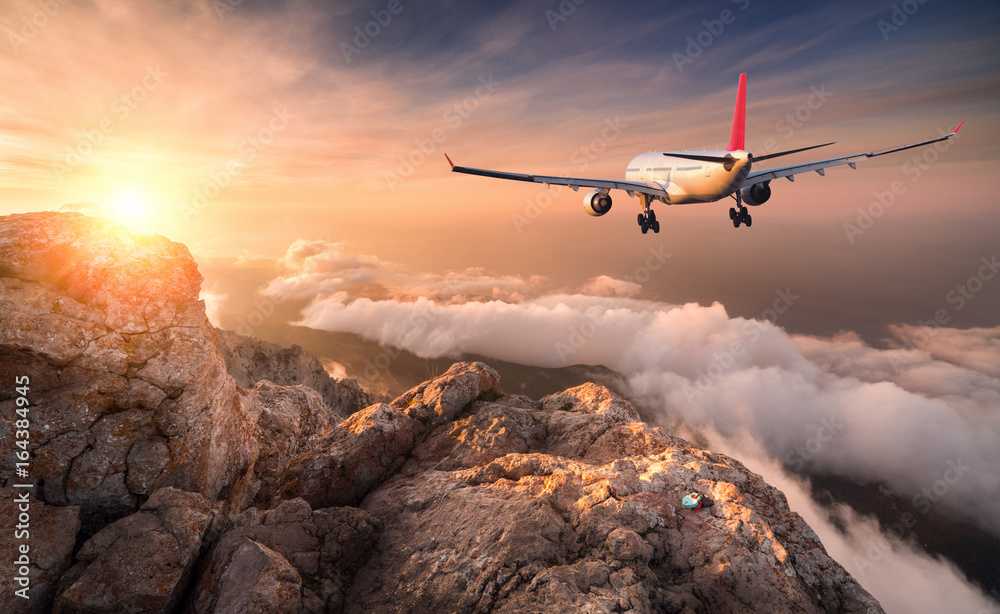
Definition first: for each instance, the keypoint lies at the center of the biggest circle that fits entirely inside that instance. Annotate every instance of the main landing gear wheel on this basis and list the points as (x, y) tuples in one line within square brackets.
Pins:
[(742, 216), (647, 221)]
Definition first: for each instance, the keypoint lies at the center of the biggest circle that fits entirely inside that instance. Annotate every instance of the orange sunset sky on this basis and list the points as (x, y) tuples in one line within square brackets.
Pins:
[(297, 148), (241, 127)]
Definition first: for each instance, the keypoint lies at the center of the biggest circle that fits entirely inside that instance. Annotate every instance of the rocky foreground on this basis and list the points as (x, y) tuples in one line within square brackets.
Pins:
[(177, 470)]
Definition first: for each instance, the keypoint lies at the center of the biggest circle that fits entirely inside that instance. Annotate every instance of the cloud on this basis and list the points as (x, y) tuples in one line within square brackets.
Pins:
[(903, 418), (472, 284), (85, 205), (321, 268), (974, 348), (336, 370), (213, 305), (603, 285), (323, 257)]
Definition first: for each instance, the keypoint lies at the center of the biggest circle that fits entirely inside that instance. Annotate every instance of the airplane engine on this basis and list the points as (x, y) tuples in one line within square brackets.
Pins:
[(596, 203), (756, 194)]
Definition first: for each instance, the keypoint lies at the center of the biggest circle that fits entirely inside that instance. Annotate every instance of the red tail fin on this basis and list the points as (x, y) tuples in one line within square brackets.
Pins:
[(739, 116)]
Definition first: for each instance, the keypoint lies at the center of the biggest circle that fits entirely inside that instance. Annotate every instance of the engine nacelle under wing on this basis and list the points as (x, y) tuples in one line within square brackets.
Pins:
[(596, 203), (757, 194)]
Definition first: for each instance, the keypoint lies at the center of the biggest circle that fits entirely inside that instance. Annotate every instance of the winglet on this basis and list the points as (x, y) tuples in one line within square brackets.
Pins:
[(955, 131), (449, 160), (736, 136)]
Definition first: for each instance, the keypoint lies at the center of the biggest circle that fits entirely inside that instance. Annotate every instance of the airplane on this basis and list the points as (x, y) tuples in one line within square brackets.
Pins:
[(683, 177)]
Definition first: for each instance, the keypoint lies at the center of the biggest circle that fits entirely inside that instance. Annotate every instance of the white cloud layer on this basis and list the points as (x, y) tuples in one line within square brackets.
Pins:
[(321, 268), (923, 423)]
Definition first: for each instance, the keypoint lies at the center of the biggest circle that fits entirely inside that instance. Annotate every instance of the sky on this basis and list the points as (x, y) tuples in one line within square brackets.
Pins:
[(241, 127), (298, 148)]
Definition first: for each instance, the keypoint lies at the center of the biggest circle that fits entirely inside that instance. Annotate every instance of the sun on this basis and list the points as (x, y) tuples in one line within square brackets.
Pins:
[(131, 204), (131, 208)]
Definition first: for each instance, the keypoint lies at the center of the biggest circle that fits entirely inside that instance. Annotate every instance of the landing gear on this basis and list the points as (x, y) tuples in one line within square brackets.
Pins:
[(739, 214), (647, 219), (740, 217)]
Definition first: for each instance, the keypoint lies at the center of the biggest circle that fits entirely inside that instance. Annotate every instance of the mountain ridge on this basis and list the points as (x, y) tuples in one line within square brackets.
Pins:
[(190, 489)]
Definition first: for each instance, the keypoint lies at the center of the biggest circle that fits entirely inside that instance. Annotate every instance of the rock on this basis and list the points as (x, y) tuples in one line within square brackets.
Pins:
[(365, 450), (129, 393), (369, 446), (50, 535), (323, 547), (579, 416), (138, 283), (142, 562), (435, 402), (251, 360), (627, 545), (588, 421), (290, 420), (521, 507), (493, 431), (257, 579)]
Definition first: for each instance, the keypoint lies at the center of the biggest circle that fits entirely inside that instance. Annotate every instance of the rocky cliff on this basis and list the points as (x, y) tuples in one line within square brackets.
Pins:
[(251, 360), (163, 484)]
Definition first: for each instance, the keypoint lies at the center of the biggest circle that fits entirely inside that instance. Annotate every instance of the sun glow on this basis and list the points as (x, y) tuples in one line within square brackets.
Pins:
[(133, 209), (131, 203)]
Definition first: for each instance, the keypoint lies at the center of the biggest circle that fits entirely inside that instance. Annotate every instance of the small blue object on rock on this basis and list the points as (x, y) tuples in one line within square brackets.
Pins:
[(691, 501)]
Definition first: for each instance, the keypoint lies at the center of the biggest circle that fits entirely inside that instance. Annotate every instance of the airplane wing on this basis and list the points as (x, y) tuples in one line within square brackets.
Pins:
[(789, 172), (575, 183)]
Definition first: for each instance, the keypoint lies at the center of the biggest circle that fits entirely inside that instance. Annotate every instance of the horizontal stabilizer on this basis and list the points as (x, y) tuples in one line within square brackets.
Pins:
[(687, 156)]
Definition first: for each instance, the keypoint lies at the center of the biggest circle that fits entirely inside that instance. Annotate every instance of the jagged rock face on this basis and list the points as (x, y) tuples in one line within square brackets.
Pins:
[(369, 446), (289, 420), (321, 549), (571, 504), (251, 360), (255, 578), (566, 504), (142, 562), (129, 391), (51, 536)]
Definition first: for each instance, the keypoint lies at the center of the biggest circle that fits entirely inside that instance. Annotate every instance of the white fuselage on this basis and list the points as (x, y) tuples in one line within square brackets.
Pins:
[(691, 181)]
